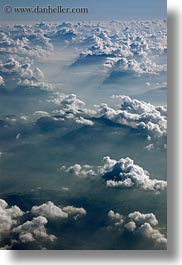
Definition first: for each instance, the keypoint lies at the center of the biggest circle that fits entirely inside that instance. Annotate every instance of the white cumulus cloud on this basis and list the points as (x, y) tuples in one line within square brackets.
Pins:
[(122, 173), (140, 224), (33, 230), (51, 211)]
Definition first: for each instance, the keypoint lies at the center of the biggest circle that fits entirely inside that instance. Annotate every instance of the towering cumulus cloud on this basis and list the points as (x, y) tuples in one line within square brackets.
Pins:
[(146, 118), (122, 173)]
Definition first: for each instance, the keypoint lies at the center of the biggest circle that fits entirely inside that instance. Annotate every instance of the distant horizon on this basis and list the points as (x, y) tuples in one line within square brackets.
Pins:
[(115, 10)]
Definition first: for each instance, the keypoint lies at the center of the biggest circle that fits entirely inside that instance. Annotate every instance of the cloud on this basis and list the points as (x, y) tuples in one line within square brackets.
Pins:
[(9, 217), (130, 226), (140, 218), (139, 224), (13, 232), (22, 74), (24, 70), (70, 107), (41, 113), (122, 173), (116, 218), (24, 40), (33, 231), (36, 84), (67, 102), (85, 171), (83, 121), (146, 118), (135, 51), (1, 80), (51, 211), (73, 211), (147, 231), (125, 174)]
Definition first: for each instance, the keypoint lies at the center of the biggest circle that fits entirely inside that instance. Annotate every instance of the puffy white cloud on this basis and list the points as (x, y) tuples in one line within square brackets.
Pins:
[(125, 174), (140, 224), (74, 211), (116, 218), (33, 231), (84, 171), (68, 102), (22, 73), (70, 107), (122, 173), (135, 51), (147, 231), (25, 41), (33, 83), (148, 119), (140, 218), (83, 121), (130, 226), (9, 217), (51, 211), (24, 70)]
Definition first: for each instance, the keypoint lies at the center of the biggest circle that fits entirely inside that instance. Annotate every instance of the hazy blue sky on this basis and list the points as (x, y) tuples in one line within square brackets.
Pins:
[(103, 9)]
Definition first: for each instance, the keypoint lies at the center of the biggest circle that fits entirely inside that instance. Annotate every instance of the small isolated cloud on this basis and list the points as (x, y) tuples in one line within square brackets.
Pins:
[(139, 224), (41, 113), (149, 147), (85, 171), (122, 173)]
